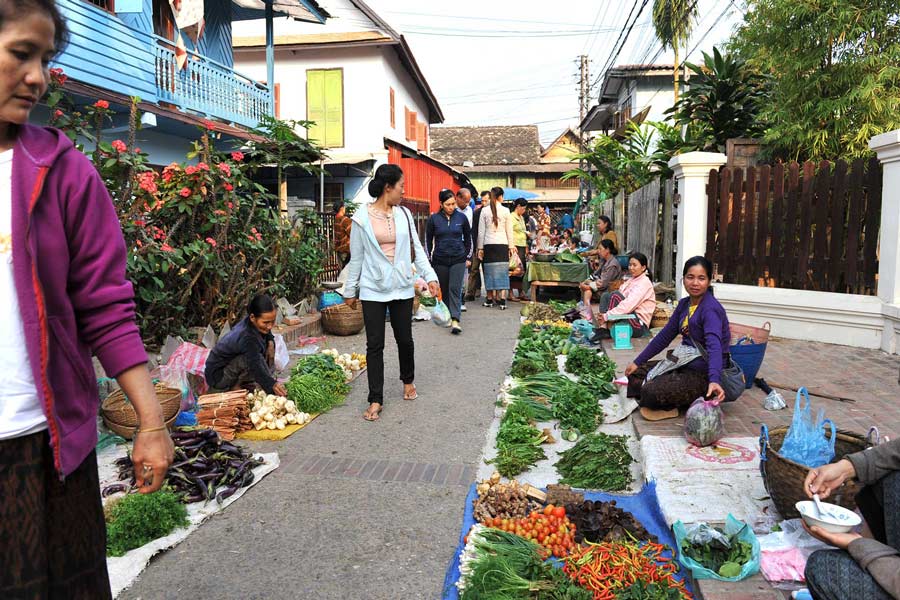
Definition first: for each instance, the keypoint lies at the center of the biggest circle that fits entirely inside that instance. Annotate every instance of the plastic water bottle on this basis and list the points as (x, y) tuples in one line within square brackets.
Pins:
[(669, 303)]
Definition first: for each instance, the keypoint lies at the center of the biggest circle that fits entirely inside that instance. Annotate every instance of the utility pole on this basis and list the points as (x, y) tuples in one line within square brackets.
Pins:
[(583, 100)]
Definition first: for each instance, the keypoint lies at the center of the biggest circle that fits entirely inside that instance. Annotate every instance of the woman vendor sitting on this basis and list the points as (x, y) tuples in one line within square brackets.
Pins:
[(245, 357), (860, 567), (687, 374), (635, 296), (607, 274)]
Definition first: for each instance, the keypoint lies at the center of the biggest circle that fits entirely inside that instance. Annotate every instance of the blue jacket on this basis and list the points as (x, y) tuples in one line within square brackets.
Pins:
[(709, 326), (448, 239), (370, 275), (567, 222), (247, 340)]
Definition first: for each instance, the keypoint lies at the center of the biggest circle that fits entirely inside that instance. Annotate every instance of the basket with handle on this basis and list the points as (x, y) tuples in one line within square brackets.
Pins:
[(343, 320), (784, 478), (119, 415), (759, 335)]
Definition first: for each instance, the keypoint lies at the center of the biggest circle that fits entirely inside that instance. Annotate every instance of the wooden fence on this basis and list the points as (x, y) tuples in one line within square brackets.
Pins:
[(812, 227)]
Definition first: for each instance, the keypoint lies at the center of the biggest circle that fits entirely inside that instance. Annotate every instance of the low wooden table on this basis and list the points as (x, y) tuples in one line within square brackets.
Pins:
[(554, 275)]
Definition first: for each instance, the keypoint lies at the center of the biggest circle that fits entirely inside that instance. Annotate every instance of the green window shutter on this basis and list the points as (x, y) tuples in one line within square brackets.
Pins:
[(334, 108), (315, 105)]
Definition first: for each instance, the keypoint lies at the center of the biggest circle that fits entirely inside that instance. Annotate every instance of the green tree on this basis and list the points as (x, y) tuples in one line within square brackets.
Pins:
[(835, 67), (673, 21), (723, 101)]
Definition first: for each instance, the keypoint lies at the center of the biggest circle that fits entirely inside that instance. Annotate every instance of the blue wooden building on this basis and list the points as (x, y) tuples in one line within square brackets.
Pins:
[(119, 49)]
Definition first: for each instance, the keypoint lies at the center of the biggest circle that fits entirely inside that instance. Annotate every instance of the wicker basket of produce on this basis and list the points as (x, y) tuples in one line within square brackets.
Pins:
[(660, 315), (784, 478), (342, 320)]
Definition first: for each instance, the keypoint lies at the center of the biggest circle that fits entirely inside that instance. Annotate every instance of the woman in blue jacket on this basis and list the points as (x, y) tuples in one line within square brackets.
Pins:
[(701, 321), (448, 242), (383, 250)]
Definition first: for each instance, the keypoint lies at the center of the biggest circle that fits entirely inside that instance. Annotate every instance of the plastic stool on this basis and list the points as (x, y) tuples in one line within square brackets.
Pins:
[(620, 331)]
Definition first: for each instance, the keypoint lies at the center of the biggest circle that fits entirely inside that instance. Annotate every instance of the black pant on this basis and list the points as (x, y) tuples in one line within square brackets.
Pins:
[(401, 323)]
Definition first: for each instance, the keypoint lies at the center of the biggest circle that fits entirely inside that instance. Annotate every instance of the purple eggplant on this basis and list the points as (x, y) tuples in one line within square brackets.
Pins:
[(114, 489)]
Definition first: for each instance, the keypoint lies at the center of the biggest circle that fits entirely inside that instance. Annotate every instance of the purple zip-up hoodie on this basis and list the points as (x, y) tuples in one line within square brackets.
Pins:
[(69, 269)]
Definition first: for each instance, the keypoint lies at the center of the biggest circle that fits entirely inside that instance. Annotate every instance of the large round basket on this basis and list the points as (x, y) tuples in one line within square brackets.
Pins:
[(660, 316), (128, 432), (759, 335), (119, 415), (342, 320), (784, 478)]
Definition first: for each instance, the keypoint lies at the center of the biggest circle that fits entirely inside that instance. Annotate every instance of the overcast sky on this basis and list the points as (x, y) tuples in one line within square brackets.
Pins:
[(514, 62)]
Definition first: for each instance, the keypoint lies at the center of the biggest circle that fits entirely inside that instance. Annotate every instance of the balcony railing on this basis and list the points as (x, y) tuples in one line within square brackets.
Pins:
[(209, 88)]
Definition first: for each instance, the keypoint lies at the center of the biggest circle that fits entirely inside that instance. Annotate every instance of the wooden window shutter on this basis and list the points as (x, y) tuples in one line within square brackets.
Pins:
[(393, 118), (334, 108), (406, 122), (420, 136), (277, 100), (411, 123), (315, 104)]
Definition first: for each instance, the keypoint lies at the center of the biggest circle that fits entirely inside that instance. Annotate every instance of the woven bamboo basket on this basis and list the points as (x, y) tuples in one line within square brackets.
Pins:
[(660, 316), (759, 335), (784, 478), (127, 432), (342, 320), (117, 408)]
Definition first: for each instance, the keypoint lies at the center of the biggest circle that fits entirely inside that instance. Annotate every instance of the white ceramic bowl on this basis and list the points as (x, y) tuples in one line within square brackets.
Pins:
[(846, 519)]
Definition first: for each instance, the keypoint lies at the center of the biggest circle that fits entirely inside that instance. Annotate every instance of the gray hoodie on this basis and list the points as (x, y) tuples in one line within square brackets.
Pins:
[(880, 560)]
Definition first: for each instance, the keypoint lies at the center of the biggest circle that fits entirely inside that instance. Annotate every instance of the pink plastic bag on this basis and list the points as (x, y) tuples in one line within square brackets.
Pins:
[(175, 376), (783, 565)]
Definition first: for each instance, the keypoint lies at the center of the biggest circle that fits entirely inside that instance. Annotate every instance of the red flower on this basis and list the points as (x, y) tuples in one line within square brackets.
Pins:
[(137, 150), (219, 212), (237, 156), (58, 113), (167, 248), (211, 242), (58, 77), (224, 168), (203, 166), (208, 124), (253, 229), (147, 182), (185, 192), (190, 170), (229, 188), (119, 146), (139, 243), (230, 204), (101, 104)]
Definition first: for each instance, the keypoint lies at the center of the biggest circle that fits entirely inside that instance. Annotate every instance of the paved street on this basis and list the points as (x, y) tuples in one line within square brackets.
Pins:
[(358, 510)]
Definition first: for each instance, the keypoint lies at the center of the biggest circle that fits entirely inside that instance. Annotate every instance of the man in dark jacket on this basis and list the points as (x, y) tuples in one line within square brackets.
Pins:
[(474, 283)]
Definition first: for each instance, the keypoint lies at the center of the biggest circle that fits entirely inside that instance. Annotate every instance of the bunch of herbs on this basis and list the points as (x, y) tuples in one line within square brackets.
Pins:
[(138, 519), (576, 407), (597, 462), (518, 442)]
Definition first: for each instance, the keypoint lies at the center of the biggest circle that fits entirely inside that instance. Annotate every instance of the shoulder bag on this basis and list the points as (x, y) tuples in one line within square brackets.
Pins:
[(733, 380)]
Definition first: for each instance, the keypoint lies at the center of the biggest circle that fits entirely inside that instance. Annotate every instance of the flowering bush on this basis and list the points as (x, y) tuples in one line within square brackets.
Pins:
[(202, 240)]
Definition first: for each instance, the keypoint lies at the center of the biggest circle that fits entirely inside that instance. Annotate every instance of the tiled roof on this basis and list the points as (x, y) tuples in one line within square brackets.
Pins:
[(495, 145)]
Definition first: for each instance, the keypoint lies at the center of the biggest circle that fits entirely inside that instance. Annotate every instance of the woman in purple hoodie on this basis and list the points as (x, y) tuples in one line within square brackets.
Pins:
[(694, 368), (64, 293)]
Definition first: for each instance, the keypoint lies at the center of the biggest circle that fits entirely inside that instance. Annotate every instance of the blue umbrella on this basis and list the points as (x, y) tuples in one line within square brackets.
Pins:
[(510, 194)]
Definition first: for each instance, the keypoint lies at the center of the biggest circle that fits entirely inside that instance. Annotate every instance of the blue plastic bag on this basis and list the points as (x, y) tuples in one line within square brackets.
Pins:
[(805, 442), (732, 526)]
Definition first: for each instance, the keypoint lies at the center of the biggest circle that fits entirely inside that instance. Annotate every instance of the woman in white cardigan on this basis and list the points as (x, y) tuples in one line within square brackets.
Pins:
[(496, 245), (383, 249)]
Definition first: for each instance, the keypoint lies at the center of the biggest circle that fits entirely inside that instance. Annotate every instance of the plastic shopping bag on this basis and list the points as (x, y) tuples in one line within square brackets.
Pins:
[(516, 268), (282, 358), (805, 442), (704, 423), (440, 314), (176, 376), (701, 533)]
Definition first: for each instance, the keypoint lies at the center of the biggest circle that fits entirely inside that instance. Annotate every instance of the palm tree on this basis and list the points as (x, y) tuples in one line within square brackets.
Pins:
[(673, 21)]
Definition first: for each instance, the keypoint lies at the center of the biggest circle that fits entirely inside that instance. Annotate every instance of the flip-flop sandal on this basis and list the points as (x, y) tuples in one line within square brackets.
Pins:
[(415, 396), (374, 417)]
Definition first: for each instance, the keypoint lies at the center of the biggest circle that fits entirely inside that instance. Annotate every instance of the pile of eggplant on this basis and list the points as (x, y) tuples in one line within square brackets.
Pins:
[(205, 468)]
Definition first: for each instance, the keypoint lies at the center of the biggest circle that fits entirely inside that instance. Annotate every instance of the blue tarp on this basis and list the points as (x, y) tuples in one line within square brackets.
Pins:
[(644, 506)]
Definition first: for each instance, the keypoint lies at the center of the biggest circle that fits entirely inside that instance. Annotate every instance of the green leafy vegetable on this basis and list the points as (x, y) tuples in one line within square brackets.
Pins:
[(317, 384), (642, 590), (597, 461), (518, 442), (583, 361), (576, 407), (725, 559), (562, 307), (138, 519)]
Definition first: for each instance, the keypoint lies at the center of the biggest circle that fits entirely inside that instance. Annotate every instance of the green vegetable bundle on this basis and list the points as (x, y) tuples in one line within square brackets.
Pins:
[(562, 307), (518, 442), (533, 356), (138, 519), (317, 384), (604, 372), (568, 256), (641, 590), (583, 361), (713, 555), (597, 462), (576, 406)]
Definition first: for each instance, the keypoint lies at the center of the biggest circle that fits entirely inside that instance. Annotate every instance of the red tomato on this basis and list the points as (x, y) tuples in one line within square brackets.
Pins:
[(559, 512), (548, 510)]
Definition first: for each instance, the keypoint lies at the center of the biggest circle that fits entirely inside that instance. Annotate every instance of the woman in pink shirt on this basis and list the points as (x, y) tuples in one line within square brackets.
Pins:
[(636, 296)]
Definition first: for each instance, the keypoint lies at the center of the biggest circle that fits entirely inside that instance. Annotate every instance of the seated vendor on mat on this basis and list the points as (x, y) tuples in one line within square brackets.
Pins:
[(245, 357), (609, 271), (636, 296), (861, 566)]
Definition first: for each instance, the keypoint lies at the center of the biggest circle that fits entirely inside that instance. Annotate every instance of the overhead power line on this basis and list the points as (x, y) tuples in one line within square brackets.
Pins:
[(613, 57)]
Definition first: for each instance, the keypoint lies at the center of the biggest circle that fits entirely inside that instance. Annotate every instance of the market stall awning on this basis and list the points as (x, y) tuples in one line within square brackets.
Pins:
[(300, 10), (352, 159)]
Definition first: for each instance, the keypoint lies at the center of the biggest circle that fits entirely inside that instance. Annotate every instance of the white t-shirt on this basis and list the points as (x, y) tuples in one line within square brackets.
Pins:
[(20, 408)]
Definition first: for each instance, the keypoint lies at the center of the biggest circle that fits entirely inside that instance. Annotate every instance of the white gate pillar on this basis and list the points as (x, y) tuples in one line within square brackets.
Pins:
[(887, 147), (692, 175)]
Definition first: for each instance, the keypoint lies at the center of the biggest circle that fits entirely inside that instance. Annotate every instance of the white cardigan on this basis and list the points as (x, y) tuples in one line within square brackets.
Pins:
[(370, 274), (501, 234)]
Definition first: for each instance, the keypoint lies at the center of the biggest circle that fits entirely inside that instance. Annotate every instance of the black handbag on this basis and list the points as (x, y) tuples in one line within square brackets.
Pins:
[(733, 380)]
